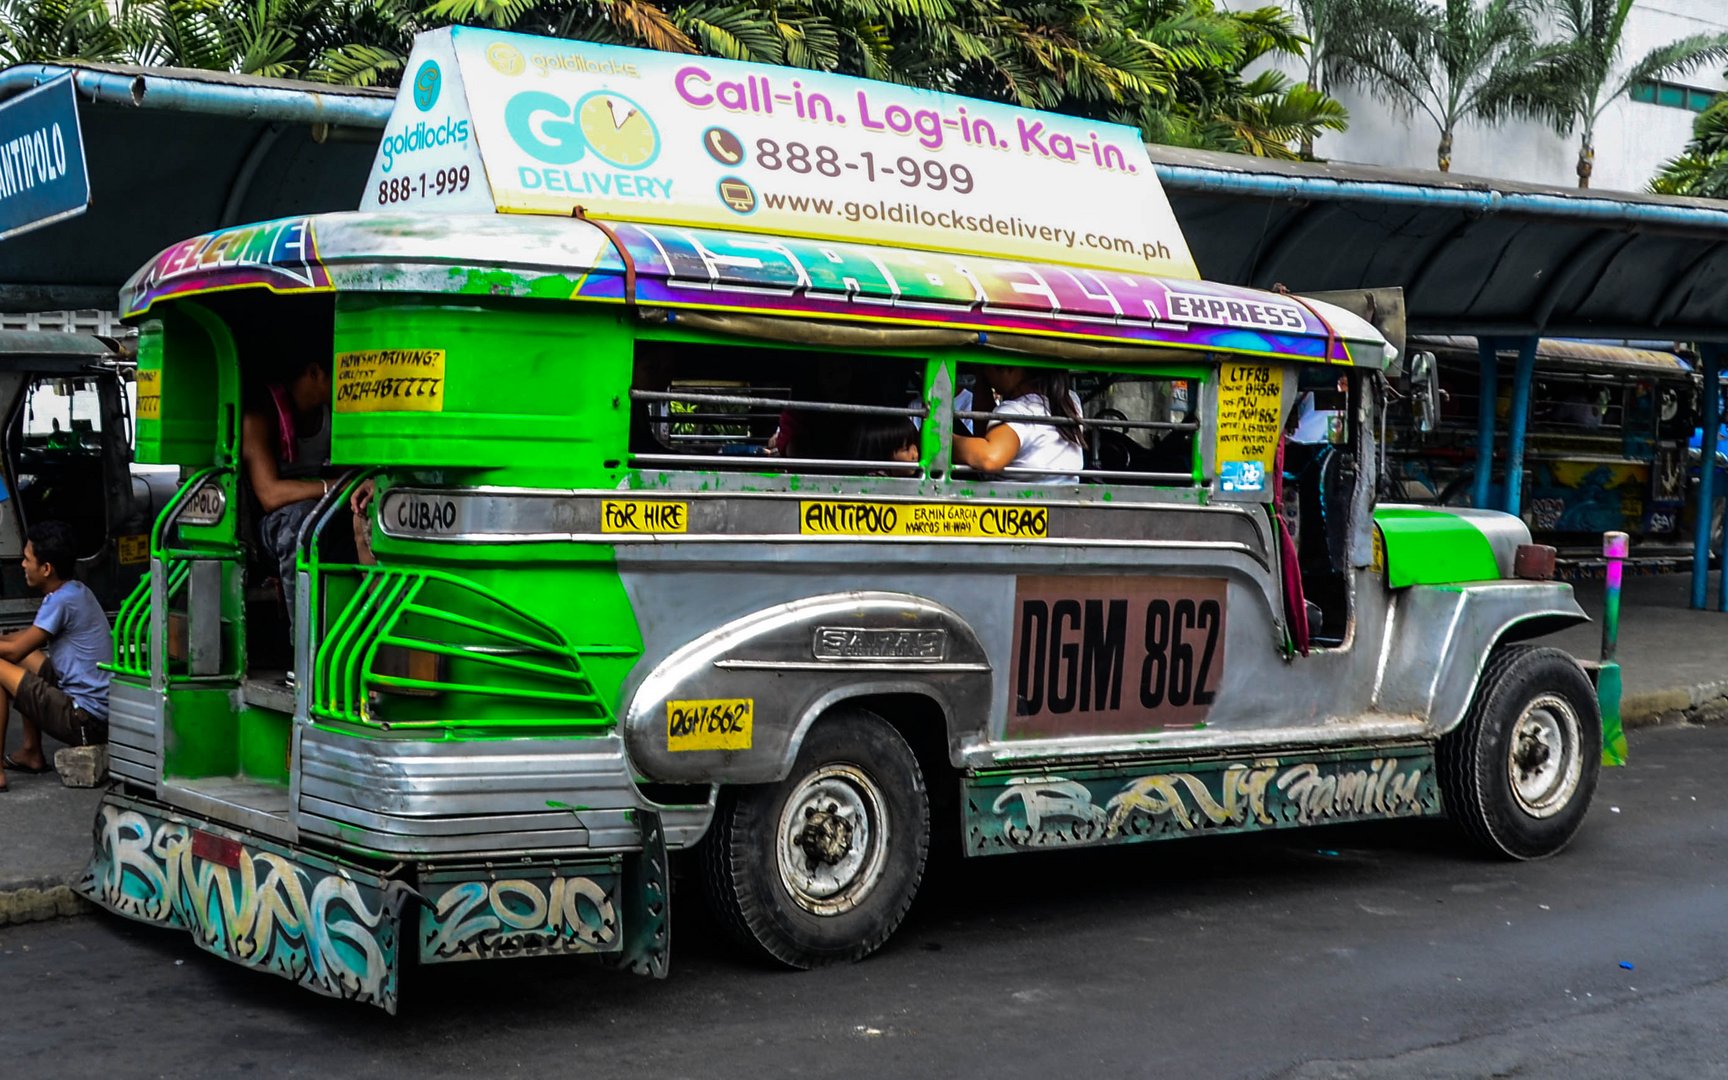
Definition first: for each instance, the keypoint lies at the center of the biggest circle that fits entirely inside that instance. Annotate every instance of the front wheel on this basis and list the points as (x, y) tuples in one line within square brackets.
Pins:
[(821, 867), (1518, 774)]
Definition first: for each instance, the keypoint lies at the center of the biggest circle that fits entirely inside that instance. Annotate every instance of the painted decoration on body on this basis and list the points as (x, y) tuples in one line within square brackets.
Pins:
[(709, 270), (330, 928), (1098, 806), (536, 125)]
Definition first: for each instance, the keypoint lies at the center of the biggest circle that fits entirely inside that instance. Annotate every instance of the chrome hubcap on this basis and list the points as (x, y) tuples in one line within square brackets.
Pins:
[(1544, 762), (832, 839)]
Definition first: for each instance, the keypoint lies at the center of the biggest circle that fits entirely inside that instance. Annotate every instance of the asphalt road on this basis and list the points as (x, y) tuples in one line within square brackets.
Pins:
[(1349, 952)]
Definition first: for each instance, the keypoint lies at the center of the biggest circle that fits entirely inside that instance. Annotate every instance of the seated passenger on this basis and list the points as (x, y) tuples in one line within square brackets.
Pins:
[(884, 438), (284, 442), (1012, 443)]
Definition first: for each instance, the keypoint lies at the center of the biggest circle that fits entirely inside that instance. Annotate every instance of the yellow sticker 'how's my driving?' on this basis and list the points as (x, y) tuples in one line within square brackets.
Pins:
[(389, 380), (718, 724), (149, 393)]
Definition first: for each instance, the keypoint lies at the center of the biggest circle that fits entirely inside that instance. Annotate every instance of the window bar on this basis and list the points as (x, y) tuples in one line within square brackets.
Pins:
[(771, 463), (1088, 422), (919, 412)]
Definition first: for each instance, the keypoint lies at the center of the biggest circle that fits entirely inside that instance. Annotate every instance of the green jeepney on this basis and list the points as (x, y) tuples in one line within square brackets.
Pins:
[(639, 589)]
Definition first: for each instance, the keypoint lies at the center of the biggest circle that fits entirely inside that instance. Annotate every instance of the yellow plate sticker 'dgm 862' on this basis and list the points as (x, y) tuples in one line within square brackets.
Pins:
[(389, 380), (719, 724), (836, 518)]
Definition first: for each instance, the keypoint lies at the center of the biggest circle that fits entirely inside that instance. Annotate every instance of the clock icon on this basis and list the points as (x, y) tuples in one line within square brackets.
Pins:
[(618, 129)]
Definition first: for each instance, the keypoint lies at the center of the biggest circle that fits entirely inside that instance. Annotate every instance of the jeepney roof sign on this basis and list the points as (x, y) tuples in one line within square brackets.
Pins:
[(710, 270), (518, 124)]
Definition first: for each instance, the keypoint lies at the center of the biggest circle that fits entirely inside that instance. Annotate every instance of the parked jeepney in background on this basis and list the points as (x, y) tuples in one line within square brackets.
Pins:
[(67, 457), (1609, 433), (647, 580)]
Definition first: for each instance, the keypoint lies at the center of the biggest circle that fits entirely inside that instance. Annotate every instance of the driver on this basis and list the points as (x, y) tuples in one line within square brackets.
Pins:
[(284, 443)]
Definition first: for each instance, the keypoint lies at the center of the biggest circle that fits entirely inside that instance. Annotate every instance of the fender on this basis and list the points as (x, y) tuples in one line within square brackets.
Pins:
[(1438, 638), (732, 705)]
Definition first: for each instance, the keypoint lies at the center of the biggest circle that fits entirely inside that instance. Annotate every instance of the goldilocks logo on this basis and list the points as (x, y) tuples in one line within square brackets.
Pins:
[(551, 129), (505, 58)]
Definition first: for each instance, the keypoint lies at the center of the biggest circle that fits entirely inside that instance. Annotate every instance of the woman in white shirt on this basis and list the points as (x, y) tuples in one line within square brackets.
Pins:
[(1011, 443)]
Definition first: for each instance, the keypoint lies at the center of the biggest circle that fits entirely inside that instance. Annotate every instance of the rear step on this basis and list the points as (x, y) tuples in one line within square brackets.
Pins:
[(268, 690)]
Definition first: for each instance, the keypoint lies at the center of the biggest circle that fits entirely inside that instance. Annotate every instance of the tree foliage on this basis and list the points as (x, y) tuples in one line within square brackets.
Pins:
[(1451, 61), (1175, 68), (1702, 170), (1572, 81)]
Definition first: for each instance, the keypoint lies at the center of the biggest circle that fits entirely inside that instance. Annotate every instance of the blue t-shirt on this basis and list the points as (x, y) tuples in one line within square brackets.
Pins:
[(79, 639)]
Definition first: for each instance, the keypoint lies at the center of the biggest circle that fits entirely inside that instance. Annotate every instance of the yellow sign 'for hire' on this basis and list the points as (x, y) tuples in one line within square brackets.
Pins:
[(389, 380)]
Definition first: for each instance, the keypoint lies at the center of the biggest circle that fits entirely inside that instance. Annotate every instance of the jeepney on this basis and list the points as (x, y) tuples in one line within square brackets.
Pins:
[(1607, 449), (67, 453), (636, 594)]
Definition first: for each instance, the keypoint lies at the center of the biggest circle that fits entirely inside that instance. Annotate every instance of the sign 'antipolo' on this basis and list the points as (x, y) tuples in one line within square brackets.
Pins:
[(488, 120), (42, 172)]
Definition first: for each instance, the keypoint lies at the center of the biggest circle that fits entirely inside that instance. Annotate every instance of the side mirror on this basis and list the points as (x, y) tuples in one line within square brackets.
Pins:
[(1425, 391)]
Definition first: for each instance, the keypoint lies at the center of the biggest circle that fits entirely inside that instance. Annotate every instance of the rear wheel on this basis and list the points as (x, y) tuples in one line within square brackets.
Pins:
[(821, 867), (1518, 774)]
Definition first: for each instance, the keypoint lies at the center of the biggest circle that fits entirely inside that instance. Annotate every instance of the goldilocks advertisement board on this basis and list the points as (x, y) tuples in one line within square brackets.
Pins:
[(489, 120)]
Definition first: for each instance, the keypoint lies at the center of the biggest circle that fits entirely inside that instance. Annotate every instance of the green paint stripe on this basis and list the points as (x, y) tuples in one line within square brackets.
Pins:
[(1432, 547)]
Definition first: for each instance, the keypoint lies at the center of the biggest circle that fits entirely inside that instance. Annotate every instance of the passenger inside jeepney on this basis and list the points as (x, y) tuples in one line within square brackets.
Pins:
[(1015, 439), (884, 438), (285, 446)]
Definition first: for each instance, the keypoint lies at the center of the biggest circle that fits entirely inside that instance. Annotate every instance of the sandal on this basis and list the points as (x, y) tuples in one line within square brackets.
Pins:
[(32, 770)]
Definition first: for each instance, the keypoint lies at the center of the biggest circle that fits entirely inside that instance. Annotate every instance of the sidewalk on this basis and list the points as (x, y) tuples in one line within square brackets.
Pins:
[(1674, 661)]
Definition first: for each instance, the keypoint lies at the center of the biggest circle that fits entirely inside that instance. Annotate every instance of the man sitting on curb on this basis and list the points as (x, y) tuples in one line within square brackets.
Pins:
[(64, 694)]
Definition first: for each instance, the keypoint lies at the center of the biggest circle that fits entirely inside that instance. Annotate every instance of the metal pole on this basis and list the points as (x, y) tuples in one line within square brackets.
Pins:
[(1704, 511), (1488, 390), (1614, 549), (1522, 377)]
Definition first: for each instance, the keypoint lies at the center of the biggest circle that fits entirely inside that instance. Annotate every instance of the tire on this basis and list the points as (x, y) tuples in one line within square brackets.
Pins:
[(1518, 774), (821, 867)]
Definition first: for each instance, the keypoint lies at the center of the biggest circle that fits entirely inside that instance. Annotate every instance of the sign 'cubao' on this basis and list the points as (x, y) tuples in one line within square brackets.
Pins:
[(492, 121)]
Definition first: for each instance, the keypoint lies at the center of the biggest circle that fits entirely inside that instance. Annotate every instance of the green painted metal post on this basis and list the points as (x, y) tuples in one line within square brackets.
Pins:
[(1488, 391), (1519, 424), (1614, 548)]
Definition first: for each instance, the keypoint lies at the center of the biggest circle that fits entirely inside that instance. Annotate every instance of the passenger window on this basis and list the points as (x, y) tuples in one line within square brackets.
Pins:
[(1135, 429), (775, 410), (1140, 429)]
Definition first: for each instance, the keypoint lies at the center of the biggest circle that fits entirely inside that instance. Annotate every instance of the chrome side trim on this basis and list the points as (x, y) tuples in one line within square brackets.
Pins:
[(849, 665), (1348, 733)]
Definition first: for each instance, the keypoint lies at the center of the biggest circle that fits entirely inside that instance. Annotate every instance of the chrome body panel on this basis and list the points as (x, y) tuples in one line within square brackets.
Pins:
[(1440, 636), (135, 715), (414, 797)]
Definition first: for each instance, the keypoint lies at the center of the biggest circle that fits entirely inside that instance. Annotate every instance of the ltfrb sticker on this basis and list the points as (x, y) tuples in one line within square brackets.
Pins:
[(717, 724)]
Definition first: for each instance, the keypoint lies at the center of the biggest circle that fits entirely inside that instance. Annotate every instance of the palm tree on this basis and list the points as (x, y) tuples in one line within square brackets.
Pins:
[(1328, 26), (1573, 81), (1452, 61), (1703, 169), (1214, 107)]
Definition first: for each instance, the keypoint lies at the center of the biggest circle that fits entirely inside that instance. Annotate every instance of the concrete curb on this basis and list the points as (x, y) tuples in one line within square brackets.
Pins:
[(53, 898), (39, 901), (1703, 703)]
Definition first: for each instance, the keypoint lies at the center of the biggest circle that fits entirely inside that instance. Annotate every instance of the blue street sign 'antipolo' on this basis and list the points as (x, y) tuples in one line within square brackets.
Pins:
[(42, 174)]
